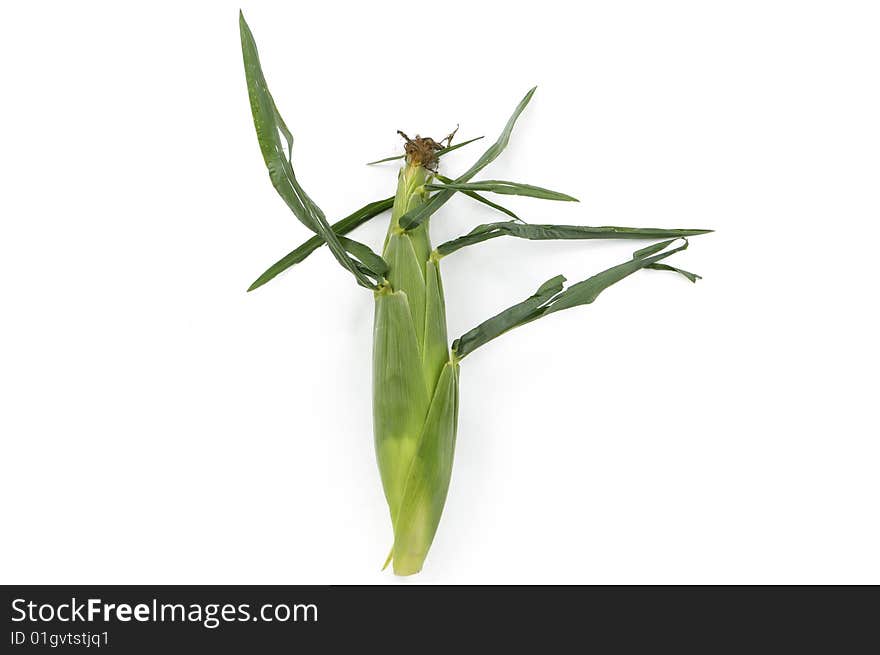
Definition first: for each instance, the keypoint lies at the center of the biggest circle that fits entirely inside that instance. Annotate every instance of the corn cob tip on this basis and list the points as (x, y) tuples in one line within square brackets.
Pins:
[(423, 151)]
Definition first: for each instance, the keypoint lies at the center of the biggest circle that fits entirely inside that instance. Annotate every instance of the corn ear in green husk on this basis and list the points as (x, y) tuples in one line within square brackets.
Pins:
[(415, 374), (415, 385)]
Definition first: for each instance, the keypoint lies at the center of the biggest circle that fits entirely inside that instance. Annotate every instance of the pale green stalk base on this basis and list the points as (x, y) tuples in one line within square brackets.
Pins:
[(415, 383)]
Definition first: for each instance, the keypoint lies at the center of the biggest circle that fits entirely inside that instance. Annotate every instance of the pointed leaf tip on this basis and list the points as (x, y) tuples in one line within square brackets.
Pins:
[(551, 297)]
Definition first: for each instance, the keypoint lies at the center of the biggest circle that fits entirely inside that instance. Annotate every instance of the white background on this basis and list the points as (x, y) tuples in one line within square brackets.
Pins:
[(160, 425)]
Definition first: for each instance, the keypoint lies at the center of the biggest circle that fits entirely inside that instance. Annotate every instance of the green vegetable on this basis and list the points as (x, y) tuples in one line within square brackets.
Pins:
[(415, 373)]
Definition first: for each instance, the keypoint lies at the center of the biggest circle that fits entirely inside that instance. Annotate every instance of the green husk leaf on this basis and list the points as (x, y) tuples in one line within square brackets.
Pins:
[(440, 152), (305, 249), (268, 124), (416, 216), (541, 304), (506, 188), (407, 274), (435, 349), (479, 198), (428, 480), (538, 232), (400, 399)]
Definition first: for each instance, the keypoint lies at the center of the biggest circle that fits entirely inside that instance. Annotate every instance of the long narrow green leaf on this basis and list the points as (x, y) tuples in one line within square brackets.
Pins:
[(652, 249), (305, 249), (583, 293), (415, 217), (538, 232), (479, 198), (369, 273), (510, 318), (373, 262), (268, 124), (551, 298), (440, 152), (382, 161), (506, 188), (693, 277), (449, 149)]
